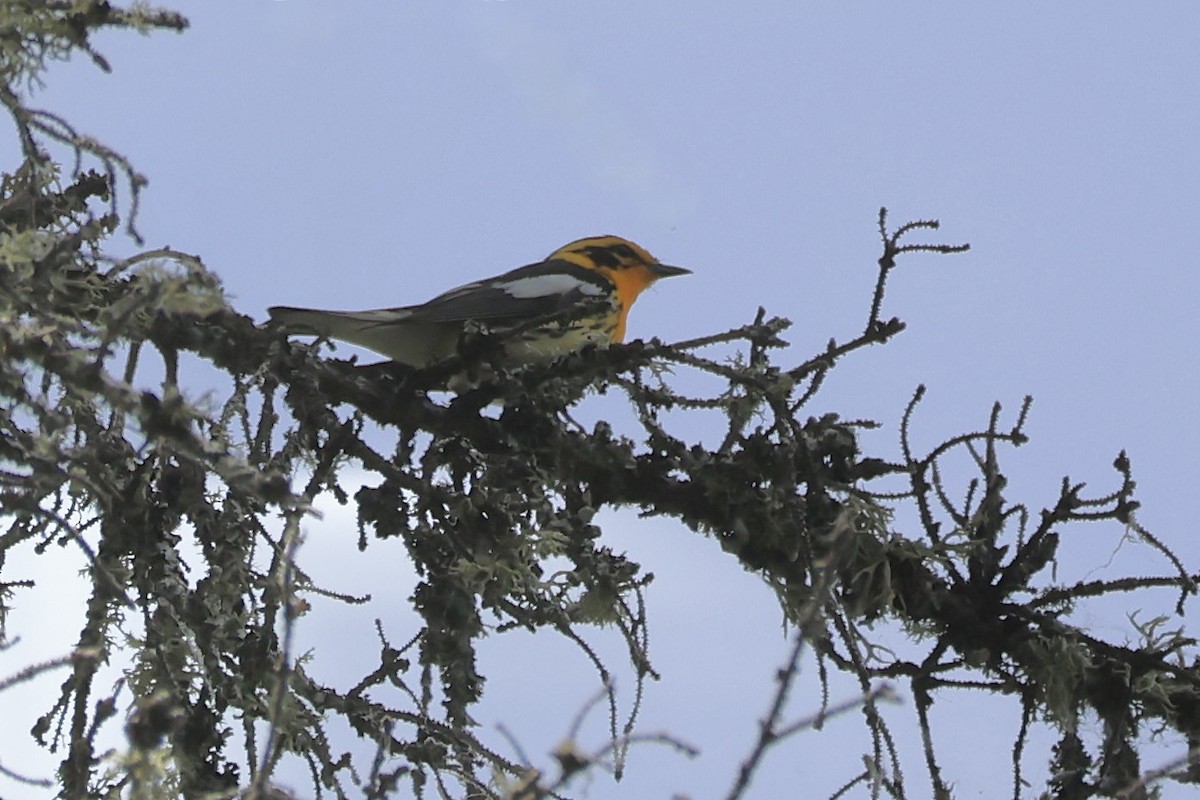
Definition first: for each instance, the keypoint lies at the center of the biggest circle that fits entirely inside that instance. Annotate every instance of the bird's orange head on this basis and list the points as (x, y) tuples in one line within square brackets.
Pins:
[(630, 267)]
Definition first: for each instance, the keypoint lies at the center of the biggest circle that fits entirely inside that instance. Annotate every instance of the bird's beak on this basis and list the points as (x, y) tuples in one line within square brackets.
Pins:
[(666, 270)]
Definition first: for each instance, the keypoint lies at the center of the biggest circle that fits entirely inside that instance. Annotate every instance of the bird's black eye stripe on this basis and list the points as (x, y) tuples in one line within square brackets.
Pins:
[(625, 254), (611, 257)]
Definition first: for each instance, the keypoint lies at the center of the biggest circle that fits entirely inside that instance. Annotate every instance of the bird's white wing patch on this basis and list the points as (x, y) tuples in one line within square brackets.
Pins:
[(546, 285)]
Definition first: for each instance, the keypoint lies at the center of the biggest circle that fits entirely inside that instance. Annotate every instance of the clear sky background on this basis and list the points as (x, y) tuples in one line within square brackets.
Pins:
[(356, 154)]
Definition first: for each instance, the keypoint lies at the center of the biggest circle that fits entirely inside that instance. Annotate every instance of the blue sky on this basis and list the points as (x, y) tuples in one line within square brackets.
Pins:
[(359, 154)]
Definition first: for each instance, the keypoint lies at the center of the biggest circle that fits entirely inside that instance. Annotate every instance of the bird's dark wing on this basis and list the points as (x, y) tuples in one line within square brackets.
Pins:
[(525, 293)]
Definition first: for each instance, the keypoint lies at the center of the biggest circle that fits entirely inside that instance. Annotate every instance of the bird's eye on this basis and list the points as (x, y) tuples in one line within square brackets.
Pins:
[(604, 256), (625, 255)]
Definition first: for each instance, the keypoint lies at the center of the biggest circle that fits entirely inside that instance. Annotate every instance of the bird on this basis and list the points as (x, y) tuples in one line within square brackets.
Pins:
[(579, 295)]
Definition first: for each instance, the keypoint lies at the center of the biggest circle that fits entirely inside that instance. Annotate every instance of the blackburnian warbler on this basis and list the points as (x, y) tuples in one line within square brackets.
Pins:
[(580, 295)]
